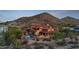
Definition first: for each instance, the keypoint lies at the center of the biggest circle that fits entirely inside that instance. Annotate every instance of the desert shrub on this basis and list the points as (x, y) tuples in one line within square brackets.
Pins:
[(17, 44)]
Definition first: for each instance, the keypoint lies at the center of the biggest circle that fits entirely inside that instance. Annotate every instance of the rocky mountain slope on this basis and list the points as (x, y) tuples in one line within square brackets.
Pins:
[(70, 20), (43, 18)]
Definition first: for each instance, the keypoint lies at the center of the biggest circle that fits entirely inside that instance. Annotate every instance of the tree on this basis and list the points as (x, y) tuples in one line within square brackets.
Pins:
[(59, 38), (59, 35), (12, 36)]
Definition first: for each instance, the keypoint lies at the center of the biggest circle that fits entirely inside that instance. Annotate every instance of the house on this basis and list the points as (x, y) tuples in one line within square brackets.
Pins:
[(43, 31), (76, 29), (44, 28), (39, 31)]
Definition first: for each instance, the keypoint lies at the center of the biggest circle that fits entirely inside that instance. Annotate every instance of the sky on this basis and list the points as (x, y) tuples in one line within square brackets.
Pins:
[(9, 15)]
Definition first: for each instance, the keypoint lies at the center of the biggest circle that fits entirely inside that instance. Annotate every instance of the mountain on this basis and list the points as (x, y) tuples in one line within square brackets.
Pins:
[(43, 18), (70, 20)]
